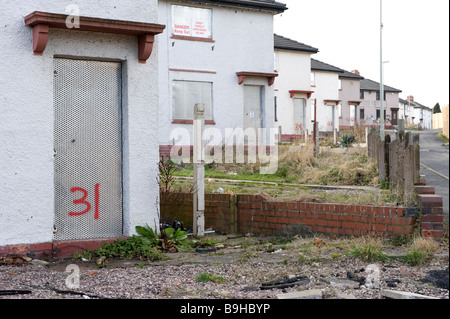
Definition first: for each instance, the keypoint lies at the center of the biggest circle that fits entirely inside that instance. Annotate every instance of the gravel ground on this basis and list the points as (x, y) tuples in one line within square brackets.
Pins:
[(240, 272)]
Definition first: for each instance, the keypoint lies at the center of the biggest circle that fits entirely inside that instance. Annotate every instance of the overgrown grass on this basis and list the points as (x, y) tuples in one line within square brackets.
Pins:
[(421, 251), (368, 249), (296, 164)]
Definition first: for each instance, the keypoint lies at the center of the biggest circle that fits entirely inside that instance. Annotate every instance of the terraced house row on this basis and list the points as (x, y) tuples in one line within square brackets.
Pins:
[(93, 94)]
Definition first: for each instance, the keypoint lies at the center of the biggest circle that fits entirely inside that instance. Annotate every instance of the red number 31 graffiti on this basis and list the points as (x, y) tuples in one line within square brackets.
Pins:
[(83, 200)]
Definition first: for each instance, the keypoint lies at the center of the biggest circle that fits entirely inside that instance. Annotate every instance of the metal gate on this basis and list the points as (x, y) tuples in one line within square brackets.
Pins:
[(88, 149)]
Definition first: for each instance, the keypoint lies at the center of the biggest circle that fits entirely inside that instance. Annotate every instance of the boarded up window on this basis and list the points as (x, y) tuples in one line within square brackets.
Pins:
[(188, 93)]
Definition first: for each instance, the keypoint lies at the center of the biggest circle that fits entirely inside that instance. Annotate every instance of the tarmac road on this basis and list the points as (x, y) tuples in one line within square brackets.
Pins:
[(434, 159)]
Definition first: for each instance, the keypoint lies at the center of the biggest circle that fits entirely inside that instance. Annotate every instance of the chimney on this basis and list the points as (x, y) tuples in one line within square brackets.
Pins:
[(356, 72), (411, 98)]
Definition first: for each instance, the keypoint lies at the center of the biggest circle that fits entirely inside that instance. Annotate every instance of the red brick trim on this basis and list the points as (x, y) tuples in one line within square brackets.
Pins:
[(54, 249)]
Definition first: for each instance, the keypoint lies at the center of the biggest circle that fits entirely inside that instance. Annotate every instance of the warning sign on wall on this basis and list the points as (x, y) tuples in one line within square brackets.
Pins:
[(191, 22)]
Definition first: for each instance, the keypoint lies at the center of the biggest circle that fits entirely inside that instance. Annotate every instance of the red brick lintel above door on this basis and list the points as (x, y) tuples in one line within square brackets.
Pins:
[(42, 21)]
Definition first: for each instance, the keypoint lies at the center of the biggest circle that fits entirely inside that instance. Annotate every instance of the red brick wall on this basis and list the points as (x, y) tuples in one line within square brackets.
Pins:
[(255, 215)]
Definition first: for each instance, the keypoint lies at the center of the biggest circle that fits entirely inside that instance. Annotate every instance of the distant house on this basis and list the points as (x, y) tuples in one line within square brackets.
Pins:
[(292, 109), (370, 103), (220, 54), (416, 114), (325, 84), (350, 112)]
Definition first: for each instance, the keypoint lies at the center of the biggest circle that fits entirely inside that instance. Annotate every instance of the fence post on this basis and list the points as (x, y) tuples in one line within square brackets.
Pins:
[(199, 172), (387, 141), (316, 140), (416, 147)]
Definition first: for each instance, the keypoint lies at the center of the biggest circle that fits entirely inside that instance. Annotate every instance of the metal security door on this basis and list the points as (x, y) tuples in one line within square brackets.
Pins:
[(252, 107), (299, 116), (88, 149), (253, 115)]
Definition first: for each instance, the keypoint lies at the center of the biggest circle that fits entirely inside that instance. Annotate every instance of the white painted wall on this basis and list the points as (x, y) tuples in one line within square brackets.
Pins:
[(326, 88), (26, 108), (243, 42), (294, 69)]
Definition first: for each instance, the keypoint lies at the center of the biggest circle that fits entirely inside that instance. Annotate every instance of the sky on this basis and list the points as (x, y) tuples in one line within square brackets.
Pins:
[(347, 34)]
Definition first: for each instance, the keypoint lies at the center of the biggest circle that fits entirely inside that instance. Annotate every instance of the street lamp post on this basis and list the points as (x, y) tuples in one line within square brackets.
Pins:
[(381, 74)]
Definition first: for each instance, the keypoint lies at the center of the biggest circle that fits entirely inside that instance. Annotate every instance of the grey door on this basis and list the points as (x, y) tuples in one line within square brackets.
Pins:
[(87, 149), (253, 115), (299, 116)]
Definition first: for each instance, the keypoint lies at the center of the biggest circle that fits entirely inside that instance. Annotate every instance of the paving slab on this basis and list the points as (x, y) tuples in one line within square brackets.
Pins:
[(307, 294), (393, 294)]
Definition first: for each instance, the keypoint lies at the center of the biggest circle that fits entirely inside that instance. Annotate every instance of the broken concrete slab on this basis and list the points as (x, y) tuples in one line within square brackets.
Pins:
[(341, 283), (393, 294), (307, 294), (340, 295)]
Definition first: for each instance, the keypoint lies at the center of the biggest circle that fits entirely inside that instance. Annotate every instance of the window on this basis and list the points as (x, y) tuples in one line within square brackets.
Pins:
[(191, 22), (361, 95), (361, 114), (186, 94), (340, 84), (378, 96), (379, 113), (313, 79)]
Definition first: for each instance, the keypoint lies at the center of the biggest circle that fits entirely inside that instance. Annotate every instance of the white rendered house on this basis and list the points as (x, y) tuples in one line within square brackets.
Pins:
[(220, 54), (293, 87), (325, 84), (79, 149)]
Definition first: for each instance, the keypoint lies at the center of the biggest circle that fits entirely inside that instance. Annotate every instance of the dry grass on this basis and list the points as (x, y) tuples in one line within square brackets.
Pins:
[(426, 245), (421, 251), (330, 168)]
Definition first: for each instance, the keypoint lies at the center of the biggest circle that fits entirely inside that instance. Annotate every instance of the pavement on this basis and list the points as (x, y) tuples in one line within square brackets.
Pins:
[(434, 160)]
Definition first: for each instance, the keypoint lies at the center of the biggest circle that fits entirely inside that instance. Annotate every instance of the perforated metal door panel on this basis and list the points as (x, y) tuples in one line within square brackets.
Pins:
[(88, 149)]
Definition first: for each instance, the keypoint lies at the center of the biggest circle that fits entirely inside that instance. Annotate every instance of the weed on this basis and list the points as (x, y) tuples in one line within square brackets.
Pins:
[(207, 277), (368, 249), (400, 240), (302, 259), (421, 251), (347, 140)]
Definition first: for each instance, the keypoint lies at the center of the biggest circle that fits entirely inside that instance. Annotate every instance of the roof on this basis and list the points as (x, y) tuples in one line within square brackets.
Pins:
[(271, 5), (350, 75), (284, 43), (413, 104), (317, 65), (369, 85)]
